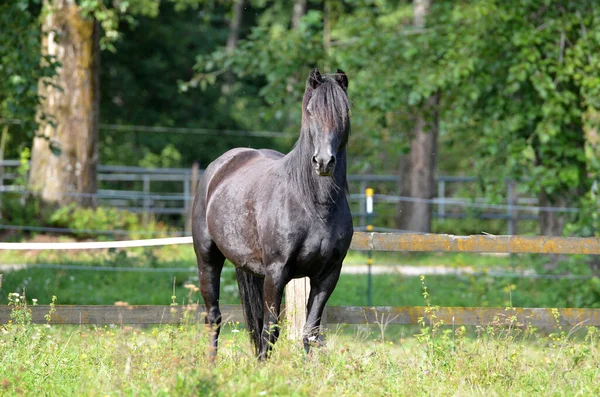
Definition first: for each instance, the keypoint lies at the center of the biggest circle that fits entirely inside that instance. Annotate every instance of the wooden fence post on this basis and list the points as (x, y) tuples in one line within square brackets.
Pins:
[(189, 196), (513, 214), (441, 198), (146, 201), (2, 146), (296, 299)]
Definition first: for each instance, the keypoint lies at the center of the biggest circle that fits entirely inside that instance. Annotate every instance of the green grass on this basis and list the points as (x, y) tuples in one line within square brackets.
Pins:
[(101, 287), (499, 360), (184, 256), (430, 359), (94, 287)]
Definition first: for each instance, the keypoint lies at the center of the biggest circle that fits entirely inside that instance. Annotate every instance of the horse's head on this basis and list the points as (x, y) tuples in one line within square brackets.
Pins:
[(326, 114)]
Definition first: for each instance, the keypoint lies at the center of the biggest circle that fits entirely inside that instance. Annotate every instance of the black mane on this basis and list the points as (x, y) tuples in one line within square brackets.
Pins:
[(331, 108)]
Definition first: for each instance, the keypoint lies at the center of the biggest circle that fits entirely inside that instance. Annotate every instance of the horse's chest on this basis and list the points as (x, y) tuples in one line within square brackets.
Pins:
[(322, 248)]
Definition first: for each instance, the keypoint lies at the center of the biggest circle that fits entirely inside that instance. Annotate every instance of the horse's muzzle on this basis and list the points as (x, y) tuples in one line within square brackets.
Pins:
[(324, 166)]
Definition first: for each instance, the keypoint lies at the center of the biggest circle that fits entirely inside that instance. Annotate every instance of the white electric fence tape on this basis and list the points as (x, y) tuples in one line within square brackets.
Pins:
[(97, 244)]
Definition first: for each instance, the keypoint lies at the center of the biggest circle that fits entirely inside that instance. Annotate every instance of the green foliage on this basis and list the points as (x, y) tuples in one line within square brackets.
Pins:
[(518, 84), (18, 209), (144, 90), (169, 157), (82, 220), (22, 67)]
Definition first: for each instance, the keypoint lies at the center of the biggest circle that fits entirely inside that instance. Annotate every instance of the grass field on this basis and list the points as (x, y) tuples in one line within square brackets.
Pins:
[(503, 358), (498, 360)]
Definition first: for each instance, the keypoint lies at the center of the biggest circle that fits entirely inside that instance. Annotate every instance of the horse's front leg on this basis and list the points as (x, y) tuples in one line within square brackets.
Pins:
[(321, 289), (273, 294)]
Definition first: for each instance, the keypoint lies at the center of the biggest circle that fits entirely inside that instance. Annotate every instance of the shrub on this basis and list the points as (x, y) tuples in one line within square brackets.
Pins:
[(85, 222)]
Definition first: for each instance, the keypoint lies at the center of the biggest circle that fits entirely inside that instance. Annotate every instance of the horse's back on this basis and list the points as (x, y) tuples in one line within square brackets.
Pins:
[(232, 162)]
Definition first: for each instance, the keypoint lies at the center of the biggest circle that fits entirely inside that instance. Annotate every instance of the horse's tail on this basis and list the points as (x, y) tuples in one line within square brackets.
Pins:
[(251, 294)]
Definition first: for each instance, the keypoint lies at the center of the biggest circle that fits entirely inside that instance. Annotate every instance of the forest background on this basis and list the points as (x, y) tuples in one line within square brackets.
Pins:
[(493, 89)]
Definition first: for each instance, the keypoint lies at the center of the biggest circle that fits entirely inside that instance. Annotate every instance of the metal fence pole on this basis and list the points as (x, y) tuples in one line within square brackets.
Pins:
[(369, 211)]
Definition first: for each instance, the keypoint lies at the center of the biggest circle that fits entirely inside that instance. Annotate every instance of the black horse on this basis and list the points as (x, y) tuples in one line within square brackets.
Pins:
[(278, 217)]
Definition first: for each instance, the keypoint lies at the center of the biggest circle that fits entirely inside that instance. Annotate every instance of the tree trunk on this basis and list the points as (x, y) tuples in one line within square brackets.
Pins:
[(417, 168), (417, 172), (552, 223), (234, 25), (232, 39), (65, 151), (299, 11)]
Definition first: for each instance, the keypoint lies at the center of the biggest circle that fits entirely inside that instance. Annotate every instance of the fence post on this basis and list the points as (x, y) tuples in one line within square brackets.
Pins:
[(513, 215), (296, 300), (362, 204), (2, 146), (441, 198), (146, 201), (189, 192)]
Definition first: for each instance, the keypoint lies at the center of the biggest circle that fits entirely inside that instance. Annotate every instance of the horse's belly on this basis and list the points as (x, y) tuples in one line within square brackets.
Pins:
[(230, 228)]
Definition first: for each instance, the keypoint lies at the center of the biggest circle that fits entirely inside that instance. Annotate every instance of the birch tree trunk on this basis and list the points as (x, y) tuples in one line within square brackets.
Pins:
[(417, 168), (65, 152)]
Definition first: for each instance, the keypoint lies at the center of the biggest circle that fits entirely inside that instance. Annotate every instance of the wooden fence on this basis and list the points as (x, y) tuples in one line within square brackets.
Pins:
[(299, 290), (182, 185), (148, 315)]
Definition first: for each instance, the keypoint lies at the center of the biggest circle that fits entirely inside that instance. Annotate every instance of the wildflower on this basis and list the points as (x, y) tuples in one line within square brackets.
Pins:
[(34, 301), (235, 330)]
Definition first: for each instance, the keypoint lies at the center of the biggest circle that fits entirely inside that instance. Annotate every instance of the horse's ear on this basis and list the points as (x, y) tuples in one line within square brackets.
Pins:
[(342, 79), (314, 79)]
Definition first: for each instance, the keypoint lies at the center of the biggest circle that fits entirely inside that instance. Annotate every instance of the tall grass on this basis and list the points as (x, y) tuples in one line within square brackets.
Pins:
[(505, 357)]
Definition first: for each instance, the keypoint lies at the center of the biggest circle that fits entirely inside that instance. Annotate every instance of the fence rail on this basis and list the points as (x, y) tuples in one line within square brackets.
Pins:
[(150, 314), (477, 243), (372, 241)]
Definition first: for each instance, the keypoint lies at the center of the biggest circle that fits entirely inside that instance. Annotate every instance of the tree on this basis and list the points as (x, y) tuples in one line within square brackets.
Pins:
[(65, 152), (417, 168), (526, 85), (22, 66)]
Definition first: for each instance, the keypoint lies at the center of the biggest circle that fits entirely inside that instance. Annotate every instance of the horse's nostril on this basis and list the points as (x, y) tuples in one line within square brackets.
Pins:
[(331, 161), (314, 160)]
